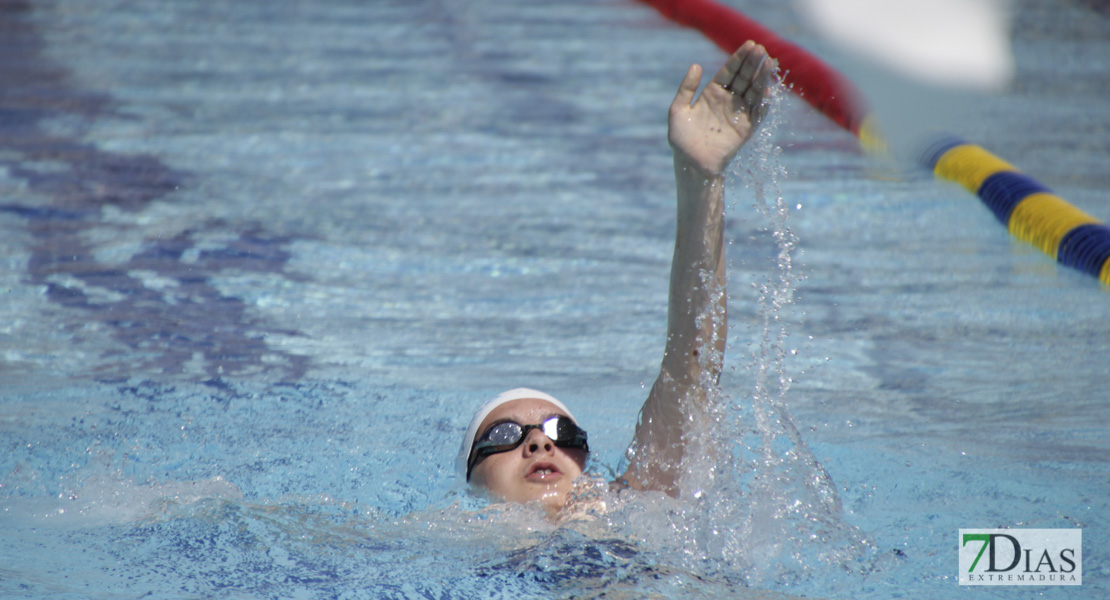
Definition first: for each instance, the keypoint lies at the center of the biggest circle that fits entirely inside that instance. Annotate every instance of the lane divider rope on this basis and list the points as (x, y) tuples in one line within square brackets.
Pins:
[(1029, 210)]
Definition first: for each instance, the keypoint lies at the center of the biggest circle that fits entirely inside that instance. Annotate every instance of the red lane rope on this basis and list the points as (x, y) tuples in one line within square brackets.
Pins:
[(810, 78), (1057, 228)]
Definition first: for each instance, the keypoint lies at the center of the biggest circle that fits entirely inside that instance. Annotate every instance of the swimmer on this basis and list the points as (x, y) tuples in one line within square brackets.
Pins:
[(524, 445)]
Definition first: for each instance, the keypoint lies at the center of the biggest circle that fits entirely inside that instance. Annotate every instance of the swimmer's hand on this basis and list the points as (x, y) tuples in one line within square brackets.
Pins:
[(706, 133)]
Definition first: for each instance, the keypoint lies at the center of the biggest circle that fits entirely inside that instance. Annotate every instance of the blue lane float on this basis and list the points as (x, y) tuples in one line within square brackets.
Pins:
[(1087, 248), (1028, 208)]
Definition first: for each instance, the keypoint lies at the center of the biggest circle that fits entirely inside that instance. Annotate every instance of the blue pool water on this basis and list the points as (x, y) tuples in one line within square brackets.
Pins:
[(261, 260)]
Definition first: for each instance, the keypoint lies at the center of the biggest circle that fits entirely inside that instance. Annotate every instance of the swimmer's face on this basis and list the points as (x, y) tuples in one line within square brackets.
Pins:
[(537, 469)]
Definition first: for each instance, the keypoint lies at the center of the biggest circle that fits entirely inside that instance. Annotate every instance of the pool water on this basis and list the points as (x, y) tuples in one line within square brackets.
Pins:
[(262, 260)]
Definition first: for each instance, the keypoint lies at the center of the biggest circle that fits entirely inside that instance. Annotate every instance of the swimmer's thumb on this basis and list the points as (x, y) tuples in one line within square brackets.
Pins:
[(689, 86)]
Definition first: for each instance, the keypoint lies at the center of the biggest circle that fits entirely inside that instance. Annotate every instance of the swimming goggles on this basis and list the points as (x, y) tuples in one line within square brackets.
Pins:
[(506, 435)]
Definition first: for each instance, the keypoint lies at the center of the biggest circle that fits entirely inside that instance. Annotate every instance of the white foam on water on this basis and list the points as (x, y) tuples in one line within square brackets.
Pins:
[(101, 499)]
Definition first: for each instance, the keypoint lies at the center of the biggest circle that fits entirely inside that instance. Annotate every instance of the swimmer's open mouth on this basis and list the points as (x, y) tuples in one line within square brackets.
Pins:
[(542, 471)]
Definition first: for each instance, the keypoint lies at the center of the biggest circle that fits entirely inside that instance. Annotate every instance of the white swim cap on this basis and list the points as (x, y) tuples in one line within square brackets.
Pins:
[(487, 408)]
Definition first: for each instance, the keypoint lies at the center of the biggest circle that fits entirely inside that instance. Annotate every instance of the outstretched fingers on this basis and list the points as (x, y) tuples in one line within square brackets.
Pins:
[(731, 68), (748, 73), (708, 130)]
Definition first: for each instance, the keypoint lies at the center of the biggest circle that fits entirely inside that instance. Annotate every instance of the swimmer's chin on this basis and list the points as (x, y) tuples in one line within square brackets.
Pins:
[(550, 502), (560, 506)]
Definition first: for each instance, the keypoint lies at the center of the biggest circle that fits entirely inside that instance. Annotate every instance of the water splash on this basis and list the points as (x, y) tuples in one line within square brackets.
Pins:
[(759, 507)]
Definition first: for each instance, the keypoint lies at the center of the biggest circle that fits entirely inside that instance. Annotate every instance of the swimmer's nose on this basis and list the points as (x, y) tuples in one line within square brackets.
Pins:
[(537, 442)]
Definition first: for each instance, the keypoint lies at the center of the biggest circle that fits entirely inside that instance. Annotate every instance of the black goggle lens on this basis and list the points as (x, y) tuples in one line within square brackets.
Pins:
[(503, 437)]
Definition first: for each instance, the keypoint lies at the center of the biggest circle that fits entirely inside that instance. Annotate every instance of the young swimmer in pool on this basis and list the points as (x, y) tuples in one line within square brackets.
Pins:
[(524, 445)]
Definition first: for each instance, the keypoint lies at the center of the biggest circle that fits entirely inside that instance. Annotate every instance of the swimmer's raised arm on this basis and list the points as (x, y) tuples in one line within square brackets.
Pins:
[(705, 134)]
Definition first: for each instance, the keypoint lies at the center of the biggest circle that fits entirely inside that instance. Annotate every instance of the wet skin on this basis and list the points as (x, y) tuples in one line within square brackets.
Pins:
[(537, 469)]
